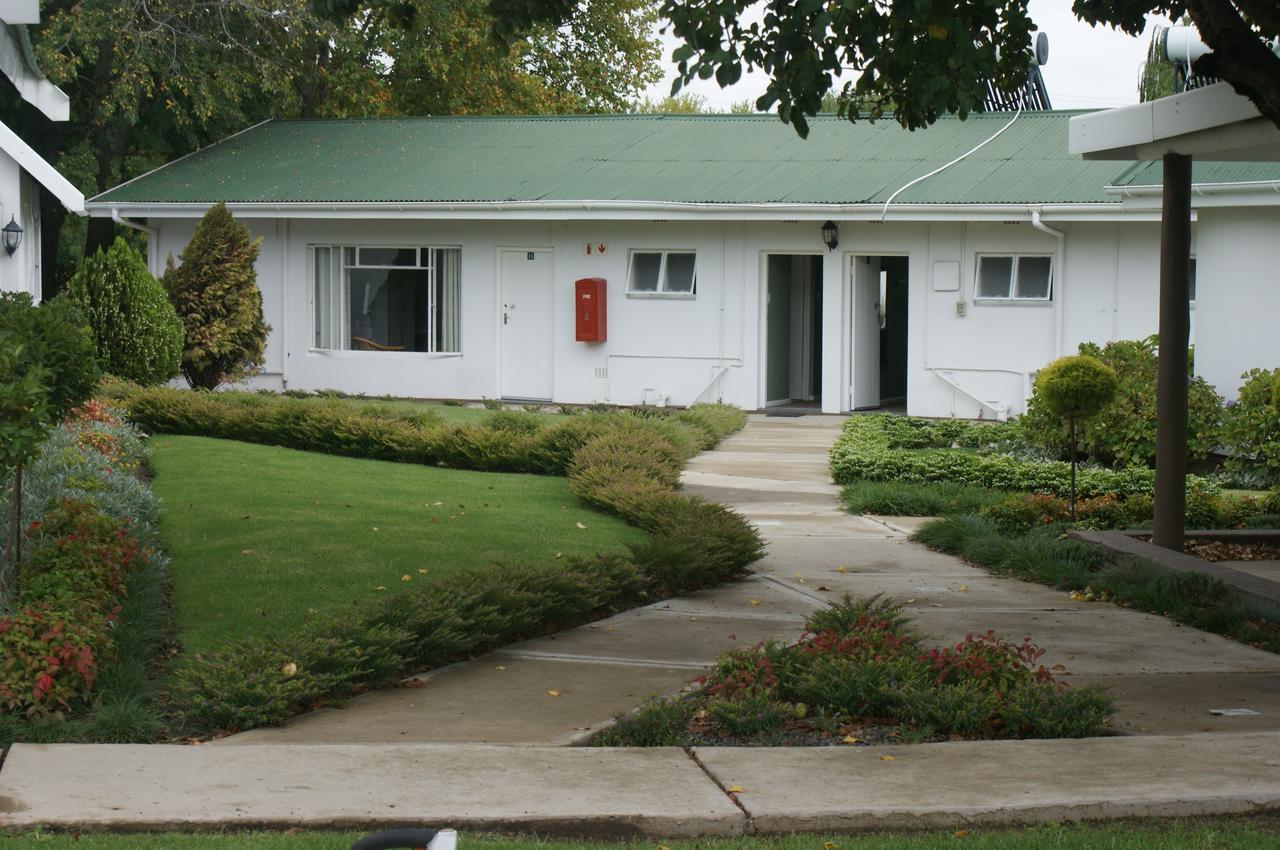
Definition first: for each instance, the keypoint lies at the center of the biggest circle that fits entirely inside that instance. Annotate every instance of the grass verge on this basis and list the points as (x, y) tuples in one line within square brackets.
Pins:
[(1044, 555), (1163, 835), (260, 536)]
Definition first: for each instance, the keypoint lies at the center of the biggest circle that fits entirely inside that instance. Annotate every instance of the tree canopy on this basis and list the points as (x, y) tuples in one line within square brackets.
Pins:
[(152, 81), (920, 59)]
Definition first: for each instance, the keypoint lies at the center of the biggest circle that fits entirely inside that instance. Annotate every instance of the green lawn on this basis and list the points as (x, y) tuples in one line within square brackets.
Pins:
[(1223, 835), (260, 535)]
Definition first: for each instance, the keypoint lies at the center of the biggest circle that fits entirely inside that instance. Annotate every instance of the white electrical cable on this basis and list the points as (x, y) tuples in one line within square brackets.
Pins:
[(884, 212)]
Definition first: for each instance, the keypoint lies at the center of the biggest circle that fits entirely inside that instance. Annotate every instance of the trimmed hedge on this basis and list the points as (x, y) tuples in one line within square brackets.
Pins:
[(865, 452), (621, 462)]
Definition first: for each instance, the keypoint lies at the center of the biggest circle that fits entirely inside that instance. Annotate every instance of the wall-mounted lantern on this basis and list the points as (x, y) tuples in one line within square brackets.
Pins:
[(12, 236), (830, 232)]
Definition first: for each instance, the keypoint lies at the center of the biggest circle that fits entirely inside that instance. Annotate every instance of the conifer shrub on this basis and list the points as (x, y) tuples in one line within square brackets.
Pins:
[(136, 332), (215, 293)]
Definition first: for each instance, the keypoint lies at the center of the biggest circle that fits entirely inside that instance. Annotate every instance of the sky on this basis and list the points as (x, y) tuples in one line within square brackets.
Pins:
[(1088, 66)]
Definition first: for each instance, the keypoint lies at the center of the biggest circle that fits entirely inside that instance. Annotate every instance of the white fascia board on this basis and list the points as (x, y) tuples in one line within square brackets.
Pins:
[(1213, 122), (1263, 193), (20, 11), (44, 173), (33, 88), (625, 211)]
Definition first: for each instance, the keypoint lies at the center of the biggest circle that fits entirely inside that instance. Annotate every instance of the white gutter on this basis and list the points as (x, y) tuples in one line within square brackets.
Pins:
[(1060, 263), (149, 232), (1203, 189), (623, 210)]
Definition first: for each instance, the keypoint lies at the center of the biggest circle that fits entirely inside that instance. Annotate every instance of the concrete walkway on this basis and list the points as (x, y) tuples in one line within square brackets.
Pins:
[(385, 759)]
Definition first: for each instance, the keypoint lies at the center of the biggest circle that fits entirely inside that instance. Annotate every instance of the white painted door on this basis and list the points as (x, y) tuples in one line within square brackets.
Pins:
[(528, 323), (865, 278)]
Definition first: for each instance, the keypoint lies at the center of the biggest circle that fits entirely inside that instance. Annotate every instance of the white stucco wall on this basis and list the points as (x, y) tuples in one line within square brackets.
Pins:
[(19, 197), (1237, 311), (1106, 289)]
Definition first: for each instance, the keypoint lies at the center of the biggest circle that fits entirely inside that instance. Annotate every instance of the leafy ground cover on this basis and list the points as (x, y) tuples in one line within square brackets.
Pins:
[(1167, 834), (862, 676), (1044, 555), (261, 536)]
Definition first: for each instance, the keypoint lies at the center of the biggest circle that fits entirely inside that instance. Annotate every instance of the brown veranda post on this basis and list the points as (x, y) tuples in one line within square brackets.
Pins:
[(1171, 386)]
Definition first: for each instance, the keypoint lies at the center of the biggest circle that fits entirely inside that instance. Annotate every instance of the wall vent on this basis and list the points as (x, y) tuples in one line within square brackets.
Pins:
[(602, 373)]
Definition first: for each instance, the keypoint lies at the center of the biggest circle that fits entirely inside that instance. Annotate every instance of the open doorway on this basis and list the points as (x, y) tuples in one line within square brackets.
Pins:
[(879, 321), (793, 330)]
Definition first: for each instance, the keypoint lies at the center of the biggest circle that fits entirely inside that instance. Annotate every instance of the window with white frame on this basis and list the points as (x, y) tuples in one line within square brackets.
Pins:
[(1014, 277), (672, 273), (380, 298)]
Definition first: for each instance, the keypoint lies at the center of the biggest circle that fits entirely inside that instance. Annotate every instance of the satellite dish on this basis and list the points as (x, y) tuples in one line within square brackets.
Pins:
[(1042, 48)]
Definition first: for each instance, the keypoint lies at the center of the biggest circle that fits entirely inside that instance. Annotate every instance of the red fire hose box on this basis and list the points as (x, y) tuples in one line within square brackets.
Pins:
[(589, 310)]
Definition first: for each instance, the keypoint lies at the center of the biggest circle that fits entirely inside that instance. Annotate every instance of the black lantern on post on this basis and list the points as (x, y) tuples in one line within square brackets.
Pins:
[(12, 236), (830, 232)]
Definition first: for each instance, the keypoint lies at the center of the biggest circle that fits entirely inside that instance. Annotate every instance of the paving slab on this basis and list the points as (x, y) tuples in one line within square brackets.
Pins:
[(753, 597), (1104, 640), (916, 591), (742, 484), (566, 791), (830, 789), (774, 525), (649, 634), (868, 554), (904, 524), (493, 699), (1180, 703)]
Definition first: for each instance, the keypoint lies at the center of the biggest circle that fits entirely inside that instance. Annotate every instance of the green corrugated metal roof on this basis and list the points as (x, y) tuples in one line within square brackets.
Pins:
[(666, 158), (1152, 173)]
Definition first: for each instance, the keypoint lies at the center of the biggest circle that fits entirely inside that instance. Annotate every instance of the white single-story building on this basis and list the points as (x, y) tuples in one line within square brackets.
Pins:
[(438, 257), (22, 171)]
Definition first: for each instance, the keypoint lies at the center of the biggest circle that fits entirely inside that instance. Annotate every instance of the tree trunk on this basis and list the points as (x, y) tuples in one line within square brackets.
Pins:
[(1071, 423)]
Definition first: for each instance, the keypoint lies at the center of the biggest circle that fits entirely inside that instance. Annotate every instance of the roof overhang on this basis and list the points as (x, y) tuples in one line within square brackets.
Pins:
[(20, 11), (18, 65), (613, 210), (44, 173), (1212, 123)]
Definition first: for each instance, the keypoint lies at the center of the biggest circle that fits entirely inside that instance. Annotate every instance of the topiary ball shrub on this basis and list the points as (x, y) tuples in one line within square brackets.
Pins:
[(1076, 387), (136, 332)]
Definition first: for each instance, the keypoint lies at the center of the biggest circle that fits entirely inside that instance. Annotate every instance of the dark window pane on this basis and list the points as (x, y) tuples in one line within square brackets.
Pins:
[(1191, 283), (680, 273), (389, 256), (994, 275), (389, 309), (1033, 277), (644, 272)]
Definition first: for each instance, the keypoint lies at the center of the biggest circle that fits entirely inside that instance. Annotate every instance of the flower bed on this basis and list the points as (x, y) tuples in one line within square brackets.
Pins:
[(89, 533), (859, 676)]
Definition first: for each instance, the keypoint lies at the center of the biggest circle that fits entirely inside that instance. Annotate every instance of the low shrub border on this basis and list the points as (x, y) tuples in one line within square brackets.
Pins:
[(626, 463), (860, 675), (869, 449), (88, 620), (1044, 555)]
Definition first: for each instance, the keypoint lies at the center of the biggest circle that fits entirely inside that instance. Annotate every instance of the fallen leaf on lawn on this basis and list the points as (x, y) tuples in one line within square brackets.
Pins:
[(960, 833), (553, 693), (663, 847), (433, 519), (829, 845), (849, 739), (580, 525), (436, 504), (888, 758), (246, 516), (424, 572), (406, 577), (754, 601), (735, 789), (559, 555), (380, 587), (375, 528), (289, 670), (246, 551)]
